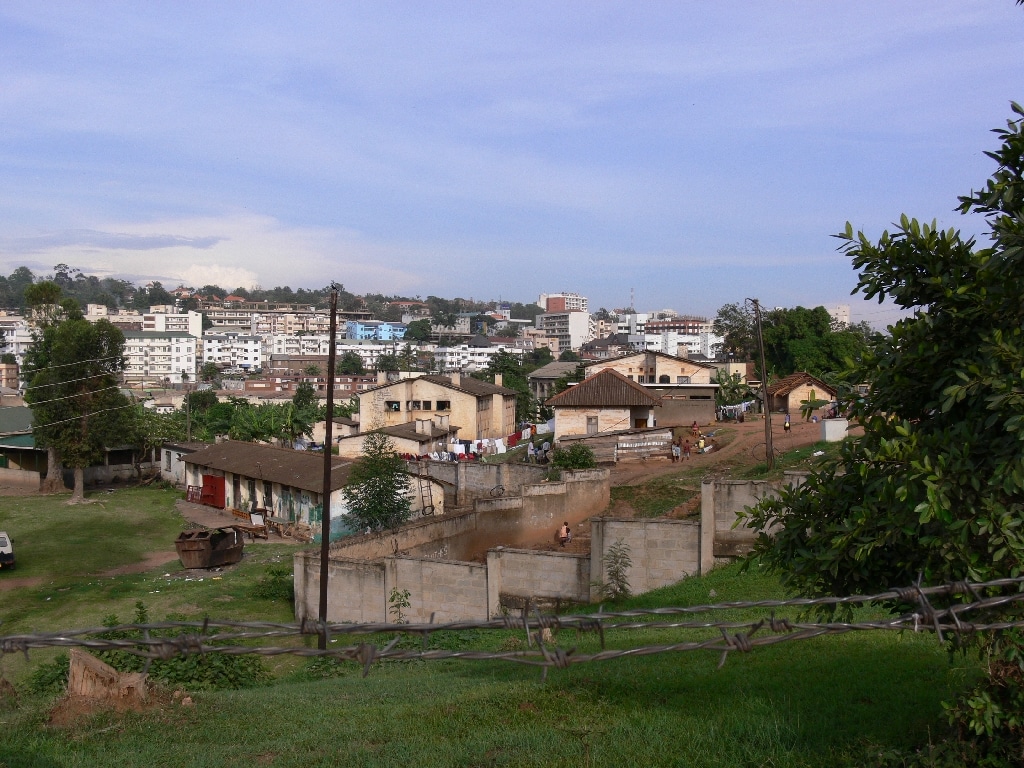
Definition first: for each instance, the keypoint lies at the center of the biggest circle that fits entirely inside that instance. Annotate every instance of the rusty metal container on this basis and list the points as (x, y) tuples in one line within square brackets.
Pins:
[(209, 548)]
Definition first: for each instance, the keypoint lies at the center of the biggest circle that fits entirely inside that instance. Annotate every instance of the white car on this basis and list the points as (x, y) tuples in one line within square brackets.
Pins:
[(6, 551)]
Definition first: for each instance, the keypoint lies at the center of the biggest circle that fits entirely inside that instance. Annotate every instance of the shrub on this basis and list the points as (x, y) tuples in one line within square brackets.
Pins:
[(577, 456)]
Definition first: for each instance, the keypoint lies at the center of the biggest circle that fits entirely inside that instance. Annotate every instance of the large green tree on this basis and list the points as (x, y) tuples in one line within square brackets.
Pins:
[(935, 487), (377, 492), (73, 368)]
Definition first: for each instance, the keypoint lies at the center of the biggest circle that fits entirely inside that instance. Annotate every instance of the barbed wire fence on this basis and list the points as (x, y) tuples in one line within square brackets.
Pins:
[(166, 640)]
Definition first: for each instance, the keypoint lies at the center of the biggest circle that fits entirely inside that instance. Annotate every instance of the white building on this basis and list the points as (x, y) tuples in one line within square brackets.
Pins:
[(562, 302), (572, 329), (169, 322), (17, 336), (156, 358), (233, 350), (840, 314), (467, 358)]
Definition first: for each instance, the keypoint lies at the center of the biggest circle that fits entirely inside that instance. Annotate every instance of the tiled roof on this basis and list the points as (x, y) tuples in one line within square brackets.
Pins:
[(298, 469), (607, 388), (794, 380)]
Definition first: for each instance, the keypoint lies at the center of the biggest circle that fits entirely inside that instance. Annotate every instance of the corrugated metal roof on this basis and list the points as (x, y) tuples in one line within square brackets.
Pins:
[(607, 388), (298, 469)]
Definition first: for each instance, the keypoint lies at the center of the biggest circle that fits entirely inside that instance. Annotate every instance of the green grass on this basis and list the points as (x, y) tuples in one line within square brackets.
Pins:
[(802, 458), (660, 494), (825, 701), (805, 704)]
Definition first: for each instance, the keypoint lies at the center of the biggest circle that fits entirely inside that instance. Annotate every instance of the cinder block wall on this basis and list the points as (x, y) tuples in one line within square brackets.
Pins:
[(530, 574), (452, 591), (720, 505), (662, 551), (22, 478), (355, 588)]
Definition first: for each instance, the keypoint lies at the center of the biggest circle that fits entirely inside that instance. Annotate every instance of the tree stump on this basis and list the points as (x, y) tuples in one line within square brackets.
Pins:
[(90, 678)]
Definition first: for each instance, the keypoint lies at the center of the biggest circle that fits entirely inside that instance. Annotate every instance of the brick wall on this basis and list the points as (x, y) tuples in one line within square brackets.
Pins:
[(529, 574), (452, 591)]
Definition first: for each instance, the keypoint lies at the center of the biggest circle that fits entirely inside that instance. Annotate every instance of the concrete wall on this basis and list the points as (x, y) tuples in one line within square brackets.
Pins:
[(424, 557), (467, 481), (450, 590), (662, 551), (20, 478), (356, 588), (720, 505), (573, 421), (528, 574)]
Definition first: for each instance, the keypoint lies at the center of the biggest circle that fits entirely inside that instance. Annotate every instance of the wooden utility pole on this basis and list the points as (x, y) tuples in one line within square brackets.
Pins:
[(769, 451), (325, 521)]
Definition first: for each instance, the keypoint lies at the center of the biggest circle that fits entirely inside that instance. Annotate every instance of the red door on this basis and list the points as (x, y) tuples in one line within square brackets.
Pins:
[(213, 491)]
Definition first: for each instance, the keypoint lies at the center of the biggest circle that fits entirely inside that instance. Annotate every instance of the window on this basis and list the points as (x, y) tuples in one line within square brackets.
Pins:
[(591, 425), (664, 380), (444, 405), (392, 405), (682, 379), (412, 405), (167, 461), (426, 405)]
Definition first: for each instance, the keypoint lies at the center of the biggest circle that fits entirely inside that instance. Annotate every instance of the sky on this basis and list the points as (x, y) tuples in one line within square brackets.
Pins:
[(687, 154)]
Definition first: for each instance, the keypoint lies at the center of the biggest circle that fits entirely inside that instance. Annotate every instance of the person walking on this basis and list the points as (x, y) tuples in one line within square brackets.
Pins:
[(677, 450), (564, 534)]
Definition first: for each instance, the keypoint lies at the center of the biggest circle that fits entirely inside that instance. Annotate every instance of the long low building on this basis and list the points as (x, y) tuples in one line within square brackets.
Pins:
[(286, 483)]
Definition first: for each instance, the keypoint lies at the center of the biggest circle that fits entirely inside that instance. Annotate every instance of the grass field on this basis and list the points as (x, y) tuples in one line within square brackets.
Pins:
[(833, 701)]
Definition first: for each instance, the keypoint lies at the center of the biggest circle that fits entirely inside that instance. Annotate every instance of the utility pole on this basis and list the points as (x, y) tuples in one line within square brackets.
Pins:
[(769, 451), (188, 416), (325, 520)]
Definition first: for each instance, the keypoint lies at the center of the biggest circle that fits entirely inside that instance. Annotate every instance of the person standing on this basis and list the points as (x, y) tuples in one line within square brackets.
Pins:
[(531, 452), (677, 449), (695, 429), (686, 450), (786, 425)]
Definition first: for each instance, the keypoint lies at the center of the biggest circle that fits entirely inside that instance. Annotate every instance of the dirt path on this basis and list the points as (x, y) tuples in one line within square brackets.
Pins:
[(736, 452)]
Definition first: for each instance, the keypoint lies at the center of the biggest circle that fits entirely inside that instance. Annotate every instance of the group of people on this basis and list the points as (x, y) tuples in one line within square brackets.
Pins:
[(680, 449), (535, 455)]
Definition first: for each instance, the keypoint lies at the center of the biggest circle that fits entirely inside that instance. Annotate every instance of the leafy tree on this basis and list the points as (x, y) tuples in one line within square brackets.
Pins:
[(305, 397), (388, 362), (209, 372), (257, 424), (147, 430), (736, 324), (538, 357), (349, 364), (512, 377), (377, 492), (418, 330), (73, 368), (44, 300), (935, 487), (312, 370), (568, 356)]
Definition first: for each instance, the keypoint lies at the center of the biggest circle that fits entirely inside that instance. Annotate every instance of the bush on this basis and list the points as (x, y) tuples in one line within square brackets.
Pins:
[(276, 585), (51, 677), (196, 672), (577, 456)]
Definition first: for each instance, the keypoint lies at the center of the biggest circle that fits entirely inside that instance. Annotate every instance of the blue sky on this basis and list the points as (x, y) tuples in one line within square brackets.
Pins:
[(697, 153)]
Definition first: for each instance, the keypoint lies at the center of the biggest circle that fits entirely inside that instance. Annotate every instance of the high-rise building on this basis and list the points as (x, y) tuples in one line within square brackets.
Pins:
[(562, 302)]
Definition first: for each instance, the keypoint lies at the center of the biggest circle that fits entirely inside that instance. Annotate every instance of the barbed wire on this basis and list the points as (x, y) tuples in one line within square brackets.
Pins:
[(152, 641)]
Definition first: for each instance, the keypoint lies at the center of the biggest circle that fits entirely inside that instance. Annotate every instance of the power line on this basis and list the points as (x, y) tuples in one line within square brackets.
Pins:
[(80, 362), (65, 397), (82, 416), (69, 381)]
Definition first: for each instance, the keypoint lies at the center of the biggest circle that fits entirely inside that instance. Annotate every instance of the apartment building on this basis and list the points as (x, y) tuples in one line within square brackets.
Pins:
[(170, 322), (160, 357), (375, 330), (16, 335), (562, 302), (572, 329), (468, 358), (233, 350)]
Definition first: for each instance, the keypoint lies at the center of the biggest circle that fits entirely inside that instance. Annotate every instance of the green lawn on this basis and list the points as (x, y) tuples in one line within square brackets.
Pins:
[(832, 700)]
